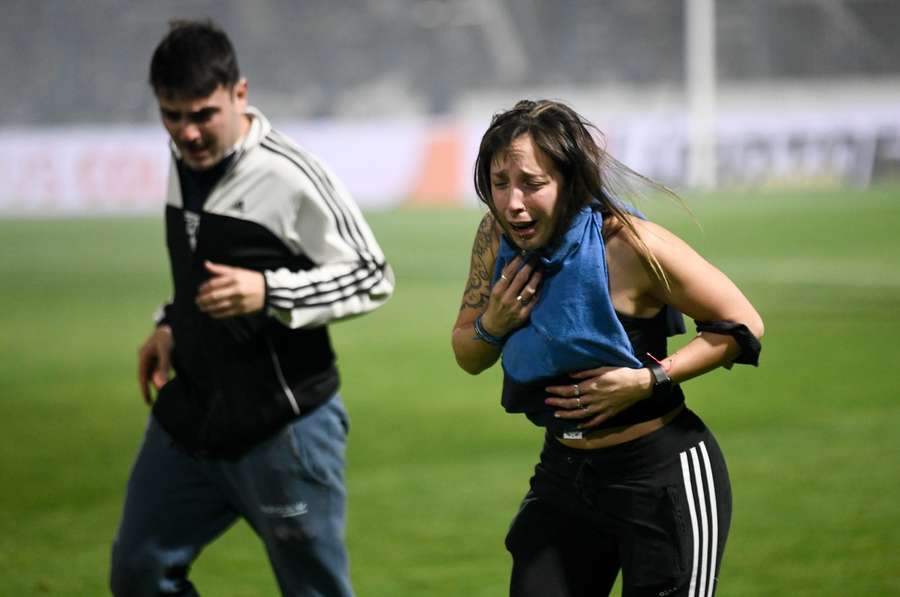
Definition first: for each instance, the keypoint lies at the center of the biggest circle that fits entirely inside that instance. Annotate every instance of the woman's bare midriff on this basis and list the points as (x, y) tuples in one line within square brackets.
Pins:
[(604, 438)]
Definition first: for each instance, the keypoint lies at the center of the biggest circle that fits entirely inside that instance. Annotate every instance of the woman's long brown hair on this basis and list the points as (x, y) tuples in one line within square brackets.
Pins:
[(588, 172)]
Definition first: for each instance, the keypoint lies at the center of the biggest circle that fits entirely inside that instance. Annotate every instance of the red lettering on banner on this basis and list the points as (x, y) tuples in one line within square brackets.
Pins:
[(109, 177), (86, 175), (37, 181)]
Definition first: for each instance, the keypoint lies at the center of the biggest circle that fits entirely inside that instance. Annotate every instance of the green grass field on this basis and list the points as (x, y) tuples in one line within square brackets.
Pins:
[(436, 469)]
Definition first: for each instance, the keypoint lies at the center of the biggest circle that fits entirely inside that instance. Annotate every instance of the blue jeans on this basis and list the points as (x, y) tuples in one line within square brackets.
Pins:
[(289, 488)]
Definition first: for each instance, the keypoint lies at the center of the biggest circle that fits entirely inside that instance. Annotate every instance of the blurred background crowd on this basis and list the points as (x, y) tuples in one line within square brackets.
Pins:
[(85, 60)]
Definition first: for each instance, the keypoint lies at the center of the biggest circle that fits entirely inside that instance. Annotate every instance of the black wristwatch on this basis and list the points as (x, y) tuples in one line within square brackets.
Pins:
[(662, 383)]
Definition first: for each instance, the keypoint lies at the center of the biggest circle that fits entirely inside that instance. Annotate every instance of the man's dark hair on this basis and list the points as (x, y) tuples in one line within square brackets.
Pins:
[(192, 60)]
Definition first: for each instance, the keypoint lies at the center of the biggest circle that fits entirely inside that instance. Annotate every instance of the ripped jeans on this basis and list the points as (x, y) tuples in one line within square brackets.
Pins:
[(289, 488)]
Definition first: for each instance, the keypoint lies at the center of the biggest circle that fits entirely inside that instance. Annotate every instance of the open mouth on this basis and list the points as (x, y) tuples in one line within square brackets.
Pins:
[(194, 150), (524, 229)]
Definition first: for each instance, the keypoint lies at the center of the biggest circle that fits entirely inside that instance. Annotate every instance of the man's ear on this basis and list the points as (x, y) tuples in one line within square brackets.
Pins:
[(239, 91)]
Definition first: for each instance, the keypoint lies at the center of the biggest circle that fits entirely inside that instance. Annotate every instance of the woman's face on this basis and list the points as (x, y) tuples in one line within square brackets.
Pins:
[(525, 191)]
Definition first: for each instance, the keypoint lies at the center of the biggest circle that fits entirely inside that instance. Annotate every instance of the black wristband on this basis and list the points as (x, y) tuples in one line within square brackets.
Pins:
[(662, 383)]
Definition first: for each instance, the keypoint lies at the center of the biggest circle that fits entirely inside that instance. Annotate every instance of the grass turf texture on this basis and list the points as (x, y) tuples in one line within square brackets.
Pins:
[(436, 469)]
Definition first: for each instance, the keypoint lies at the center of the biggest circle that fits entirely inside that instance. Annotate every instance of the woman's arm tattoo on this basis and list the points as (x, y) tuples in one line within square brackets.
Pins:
[(478, 287)]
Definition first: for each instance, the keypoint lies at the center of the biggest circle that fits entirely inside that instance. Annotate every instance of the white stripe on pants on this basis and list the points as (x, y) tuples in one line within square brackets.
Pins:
[(704, 518)]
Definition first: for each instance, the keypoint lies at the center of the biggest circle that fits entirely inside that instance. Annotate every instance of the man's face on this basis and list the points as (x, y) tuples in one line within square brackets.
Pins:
[(205, 128)]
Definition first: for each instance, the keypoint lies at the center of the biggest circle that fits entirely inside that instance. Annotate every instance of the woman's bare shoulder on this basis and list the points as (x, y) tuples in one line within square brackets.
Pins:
[(658, 239)]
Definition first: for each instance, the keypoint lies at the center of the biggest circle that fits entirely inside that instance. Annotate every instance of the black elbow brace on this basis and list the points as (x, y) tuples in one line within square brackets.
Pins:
[(749, 344)]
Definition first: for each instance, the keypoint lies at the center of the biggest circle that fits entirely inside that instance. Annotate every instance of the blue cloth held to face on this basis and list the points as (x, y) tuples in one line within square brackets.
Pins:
[(573, 326)]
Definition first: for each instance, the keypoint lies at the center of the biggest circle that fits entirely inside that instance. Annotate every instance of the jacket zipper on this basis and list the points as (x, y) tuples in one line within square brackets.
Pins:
[(284, 386)]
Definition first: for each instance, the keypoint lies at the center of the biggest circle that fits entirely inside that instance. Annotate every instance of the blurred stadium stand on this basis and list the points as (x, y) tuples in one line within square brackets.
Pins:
[(808, 91), (85, 61)]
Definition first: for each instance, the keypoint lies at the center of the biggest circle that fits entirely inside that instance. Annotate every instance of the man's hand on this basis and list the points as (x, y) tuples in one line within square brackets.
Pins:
[(231, 291), (154, 361)]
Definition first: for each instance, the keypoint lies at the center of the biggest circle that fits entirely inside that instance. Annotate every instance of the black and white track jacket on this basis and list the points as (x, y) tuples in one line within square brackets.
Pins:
[(277, 210)]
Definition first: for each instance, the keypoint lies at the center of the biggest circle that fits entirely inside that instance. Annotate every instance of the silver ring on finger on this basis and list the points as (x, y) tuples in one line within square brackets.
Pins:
[(578, 402), (503, 277), (577, 389)]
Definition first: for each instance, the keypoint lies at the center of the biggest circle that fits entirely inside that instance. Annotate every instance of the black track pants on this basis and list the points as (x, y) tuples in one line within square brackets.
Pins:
[(658, 508)]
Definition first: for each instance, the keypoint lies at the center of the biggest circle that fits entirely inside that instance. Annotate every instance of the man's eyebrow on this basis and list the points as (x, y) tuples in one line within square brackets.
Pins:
[(194, 114)]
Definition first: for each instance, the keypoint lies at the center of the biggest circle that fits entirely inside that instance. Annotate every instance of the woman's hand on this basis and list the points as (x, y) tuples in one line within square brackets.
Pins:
[(599, 394), (512, 298)]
